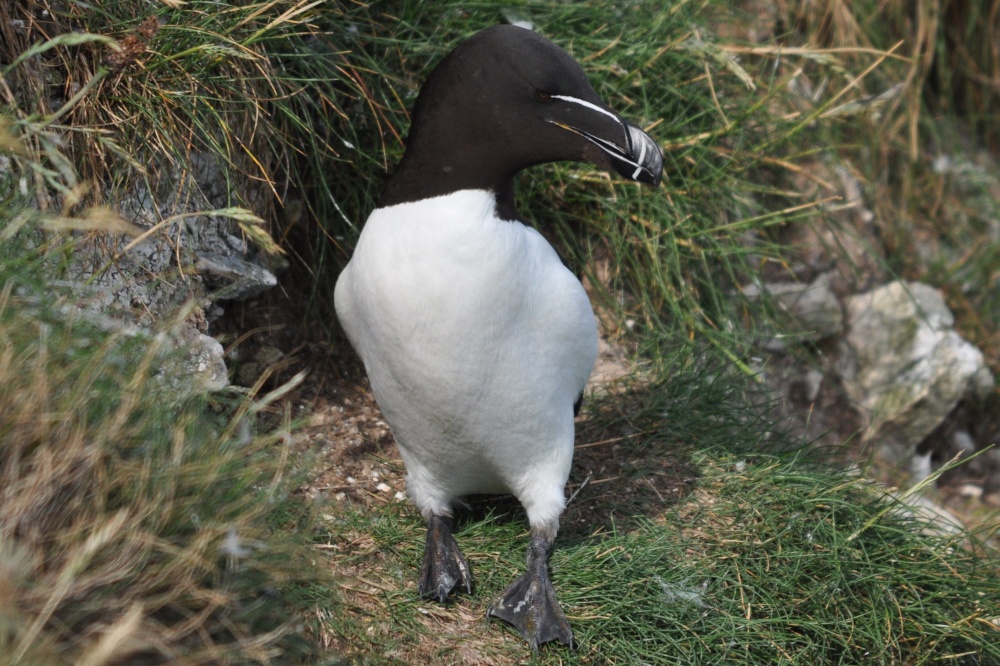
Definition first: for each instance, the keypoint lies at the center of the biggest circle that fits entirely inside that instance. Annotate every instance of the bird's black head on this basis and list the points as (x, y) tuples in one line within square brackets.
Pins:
[(504, 100)]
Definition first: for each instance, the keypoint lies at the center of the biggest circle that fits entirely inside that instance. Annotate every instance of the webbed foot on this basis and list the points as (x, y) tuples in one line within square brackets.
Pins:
[(445, 567), (529, 604)]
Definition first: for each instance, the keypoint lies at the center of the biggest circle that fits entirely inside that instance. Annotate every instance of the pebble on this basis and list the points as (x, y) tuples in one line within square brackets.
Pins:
[(970, 490)]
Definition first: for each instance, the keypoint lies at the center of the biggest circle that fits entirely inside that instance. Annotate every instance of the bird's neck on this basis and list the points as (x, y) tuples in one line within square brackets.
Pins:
[(443, 173)]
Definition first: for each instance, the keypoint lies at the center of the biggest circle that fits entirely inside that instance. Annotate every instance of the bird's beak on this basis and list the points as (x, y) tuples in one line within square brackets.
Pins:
[(643, 161), (631, 152)]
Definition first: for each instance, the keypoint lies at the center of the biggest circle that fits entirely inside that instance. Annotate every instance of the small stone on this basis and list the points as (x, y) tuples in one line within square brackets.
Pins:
[(961, 441), (382, 487), (247, 373), (813, 383), (970, 490), (210, 364), (268, 354), (920, 467), (940, 521)]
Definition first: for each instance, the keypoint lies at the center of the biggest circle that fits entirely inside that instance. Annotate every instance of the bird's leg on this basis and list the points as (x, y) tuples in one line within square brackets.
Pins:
[(529, 604), (444, 565)]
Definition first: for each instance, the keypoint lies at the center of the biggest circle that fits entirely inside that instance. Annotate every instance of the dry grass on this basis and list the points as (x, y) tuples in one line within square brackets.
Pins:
[(925, 157), (134, 525)]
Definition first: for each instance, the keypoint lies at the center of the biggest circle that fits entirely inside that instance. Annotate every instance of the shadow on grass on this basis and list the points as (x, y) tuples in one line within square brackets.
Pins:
[(633, 458)]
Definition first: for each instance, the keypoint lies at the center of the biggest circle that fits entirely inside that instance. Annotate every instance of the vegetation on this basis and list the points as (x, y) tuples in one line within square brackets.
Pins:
[(137, 523), (684, 550), (926, 152)]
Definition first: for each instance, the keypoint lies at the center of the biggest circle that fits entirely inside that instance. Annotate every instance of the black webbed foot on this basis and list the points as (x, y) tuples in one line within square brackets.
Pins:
[(529, 604), (445, 567)]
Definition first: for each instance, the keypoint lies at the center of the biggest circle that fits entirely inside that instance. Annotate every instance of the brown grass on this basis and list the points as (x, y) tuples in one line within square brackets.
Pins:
[(127, 530)]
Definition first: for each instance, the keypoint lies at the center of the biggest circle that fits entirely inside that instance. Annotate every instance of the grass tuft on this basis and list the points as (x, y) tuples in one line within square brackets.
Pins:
[(134, 524)]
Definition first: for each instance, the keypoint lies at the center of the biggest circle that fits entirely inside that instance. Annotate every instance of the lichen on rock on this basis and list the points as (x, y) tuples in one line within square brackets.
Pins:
[(905, 367)]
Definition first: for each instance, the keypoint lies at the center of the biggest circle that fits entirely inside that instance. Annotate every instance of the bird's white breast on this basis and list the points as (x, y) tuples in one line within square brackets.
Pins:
[(476, 340)]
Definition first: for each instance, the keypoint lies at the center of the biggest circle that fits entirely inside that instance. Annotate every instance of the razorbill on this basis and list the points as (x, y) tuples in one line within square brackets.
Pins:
[(477, 340)]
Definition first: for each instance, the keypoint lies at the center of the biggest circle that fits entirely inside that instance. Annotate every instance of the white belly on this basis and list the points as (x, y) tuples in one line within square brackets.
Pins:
[(477, 341)]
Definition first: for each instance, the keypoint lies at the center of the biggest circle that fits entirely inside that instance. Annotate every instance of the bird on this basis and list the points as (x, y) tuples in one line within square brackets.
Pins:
[(476, 338)]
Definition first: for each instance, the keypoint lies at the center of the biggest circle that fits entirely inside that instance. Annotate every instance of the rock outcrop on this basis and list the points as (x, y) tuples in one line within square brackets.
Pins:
[(905, 367)]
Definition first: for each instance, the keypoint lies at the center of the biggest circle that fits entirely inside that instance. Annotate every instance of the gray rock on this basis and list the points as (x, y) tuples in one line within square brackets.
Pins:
[(813, 382), (206, 256), (807, 312), (921, 467), (206, 363), (188, 261), (249, 371), (268, 354), (905, 367), (242, 279), (188, 361)]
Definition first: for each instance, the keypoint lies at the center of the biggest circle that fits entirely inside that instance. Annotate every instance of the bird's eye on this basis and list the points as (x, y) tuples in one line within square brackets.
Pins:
[(543, 96)]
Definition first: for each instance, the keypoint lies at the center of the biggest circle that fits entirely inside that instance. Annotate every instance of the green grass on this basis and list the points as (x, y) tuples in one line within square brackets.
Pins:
[(764, 558), (690, 541)]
